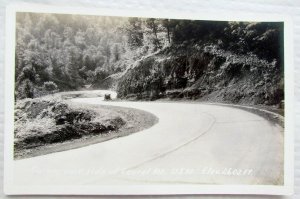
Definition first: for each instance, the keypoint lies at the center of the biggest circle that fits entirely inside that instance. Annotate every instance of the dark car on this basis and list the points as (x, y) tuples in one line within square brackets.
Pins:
[(107, 97)]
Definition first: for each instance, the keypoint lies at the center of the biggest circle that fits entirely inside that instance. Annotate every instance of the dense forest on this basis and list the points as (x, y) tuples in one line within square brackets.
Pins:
[(65, 52), (147, 58)]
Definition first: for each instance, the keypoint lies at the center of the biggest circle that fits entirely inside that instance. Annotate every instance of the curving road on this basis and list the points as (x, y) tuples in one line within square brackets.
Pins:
[(192, 143)]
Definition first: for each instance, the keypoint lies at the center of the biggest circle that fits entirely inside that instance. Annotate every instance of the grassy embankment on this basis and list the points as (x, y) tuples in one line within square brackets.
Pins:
[(52, 123)]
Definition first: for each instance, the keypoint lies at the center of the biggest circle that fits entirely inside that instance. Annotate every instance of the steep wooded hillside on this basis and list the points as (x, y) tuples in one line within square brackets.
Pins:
[(229, 62), (150, 58)]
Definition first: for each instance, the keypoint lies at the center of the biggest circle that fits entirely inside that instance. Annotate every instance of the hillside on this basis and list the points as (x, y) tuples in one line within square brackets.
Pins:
[(207, 72), (213, 69), (150, 58)]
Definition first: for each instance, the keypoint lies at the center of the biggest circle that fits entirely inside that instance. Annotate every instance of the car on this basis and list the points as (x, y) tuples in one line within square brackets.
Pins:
[(107, 97)]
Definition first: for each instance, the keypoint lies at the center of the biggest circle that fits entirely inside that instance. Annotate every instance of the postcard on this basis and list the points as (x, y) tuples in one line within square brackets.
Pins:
[(124, 102)]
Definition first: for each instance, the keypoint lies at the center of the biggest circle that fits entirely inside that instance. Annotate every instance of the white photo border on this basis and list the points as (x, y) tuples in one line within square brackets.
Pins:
[(159, 189)]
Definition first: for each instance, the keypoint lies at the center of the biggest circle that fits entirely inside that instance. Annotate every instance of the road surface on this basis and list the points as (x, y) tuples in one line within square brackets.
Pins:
[(191, 144)]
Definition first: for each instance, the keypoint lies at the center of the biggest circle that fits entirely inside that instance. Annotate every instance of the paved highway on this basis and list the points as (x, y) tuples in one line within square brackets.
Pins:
[(192, 143)]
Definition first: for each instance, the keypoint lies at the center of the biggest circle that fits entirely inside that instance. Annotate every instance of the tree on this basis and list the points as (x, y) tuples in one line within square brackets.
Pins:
[(116, 52), (100, 74), (27, 89), (152, 24), (135, 33), (166, 23), (80, 39)]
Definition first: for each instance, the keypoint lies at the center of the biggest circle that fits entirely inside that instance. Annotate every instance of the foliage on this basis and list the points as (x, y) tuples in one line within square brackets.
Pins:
[(50, 86), (41, 122), (64, 49), (207, 72), (150, 55)]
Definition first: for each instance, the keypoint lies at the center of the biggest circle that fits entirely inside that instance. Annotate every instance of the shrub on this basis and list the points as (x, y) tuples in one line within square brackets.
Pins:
[(50, 86)]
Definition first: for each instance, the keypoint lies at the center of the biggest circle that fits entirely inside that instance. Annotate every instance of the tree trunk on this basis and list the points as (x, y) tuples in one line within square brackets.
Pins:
[(168, 30)]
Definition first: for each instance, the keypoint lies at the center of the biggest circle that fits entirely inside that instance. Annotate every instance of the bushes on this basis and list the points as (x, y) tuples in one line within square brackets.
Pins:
[(207, 69), (41, 122), (25, 90), (50, 86)]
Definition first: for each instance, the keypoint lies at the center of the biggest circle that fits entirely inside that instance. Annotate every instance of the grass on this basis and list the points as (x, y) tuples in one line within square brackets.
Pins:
[(52, 124)]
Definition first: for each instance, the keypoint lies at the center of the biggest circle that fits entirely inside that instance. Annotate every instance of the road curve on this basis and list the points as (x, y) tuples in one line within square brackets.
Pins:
[(191, 144)]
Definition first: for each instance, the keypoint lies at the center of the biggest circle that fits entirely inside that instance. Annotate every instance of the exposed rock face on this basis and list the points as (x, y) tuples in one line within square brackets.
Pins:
[(204, 72)]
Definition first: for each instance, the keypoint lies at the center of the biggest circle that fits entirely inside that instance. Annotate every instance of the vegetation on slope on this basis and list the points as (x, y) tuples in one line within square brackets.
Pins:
[(229, 62), (147, 58), (66, 51), (141, 58), (46, 125)]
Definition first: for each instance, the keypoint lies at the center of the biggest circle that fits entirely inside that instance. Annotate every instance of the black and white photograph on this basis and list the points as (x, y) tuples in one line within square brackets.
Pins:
[(126, 101)]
